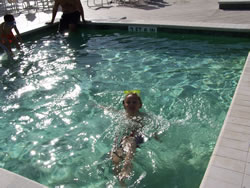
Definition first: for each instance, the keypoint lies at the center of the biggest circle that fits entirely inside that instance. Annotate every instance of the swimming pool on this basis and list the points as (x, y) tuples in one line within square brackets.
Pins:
[(53, 132)]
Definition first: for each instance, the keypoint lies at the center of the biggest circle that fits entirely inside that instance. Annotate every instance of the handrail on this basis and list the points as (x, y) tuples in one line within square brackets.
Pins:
[(18, 6), (102, 4)]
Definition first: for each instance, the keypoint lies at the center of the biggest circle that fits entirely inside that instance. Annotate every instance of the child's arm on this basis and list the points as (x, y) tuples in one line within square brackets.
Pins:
[(94, 103), (16, 39), (18, 34)]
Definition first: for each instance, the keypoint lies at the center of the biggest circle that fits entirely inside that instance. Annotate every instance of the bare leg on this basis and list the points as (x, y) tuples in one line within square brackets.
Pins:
[(72, 27), (10, 53), (117, 157), (129, 147), (8, 50)]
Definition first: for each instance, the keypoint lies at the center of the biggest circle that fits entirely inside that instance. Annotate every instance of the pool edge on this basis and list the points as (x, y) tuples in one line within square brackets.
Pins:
[(11, 180), (201, 26), (241, 30), (229, 165)]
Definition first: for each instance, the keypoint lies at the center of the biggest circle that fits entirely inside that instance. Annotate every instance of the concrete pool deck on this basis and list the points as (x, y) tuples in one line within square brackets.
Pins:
[(229, 166)]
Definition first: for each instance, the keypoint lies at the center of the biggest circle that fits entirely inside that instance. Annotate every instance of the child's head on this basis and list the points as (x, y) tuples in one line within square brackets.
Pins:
[(132, 103), (9, 20)]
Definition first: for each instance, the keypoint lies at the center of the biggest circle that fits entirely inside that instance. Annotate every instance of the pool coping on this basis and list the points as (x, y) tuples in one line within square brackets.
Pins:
[(12, 180), (234, 4), (242, 30), (229, 165), (200, 26), (222, 170)]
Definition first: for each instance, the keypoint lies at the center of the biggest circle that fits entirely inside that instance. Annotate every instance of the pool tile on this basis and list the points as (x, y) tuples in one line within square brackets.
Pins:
[(247, 171), (231, 153), (240, 114), (238, 128), (11, 180), (247, 84), (225, 175), (234, 144), (236, 135), (245, 79), (244, 90), (245, 87), (246, 72), (246, 182), (214, 183), (247, 69), (242, 97), (230, 164), (242, 108), (238, 121)]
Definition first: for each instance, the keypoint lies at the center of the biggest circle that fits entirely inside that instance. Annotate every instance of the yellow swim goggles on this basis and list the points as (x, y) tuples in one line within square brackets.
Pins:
[(132, 92)]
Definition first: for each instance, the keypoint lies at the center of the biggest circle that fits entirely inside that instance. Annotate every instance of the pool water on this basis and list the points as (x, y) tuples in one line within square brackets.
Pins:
[(53, 131)]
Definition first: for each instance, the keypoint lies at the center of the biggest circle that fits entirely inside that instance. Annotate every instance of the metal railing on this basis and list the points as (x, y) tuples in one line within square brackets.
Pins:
[(98, 3), (19, 6)]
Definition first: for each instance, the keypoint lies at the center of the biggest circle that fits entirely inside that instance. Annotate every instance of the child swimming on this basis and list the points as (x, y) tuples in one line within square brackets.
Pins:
[(124, 149), (7, 38), (133, 129)]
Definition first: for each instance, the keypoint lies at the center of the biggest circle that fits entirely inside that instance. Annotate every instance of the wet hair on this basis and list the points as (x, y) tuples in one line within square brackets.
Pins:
[(9, 18), (139, 98)]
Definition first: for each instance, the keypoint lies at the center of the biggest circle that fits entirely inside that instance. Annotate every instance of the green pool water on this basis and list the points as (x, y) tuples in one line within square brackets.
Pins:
[(53, 132)]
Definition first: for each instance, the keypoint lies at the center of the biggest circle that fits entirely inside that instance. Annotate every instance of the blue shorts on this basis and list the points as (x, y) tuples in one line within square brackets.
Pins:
[(139, 140), (5, 49)]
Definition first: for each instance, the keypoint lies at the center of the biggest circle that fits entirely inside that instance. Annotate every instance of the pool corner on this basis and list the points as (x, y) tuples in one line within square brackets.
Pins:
[(10, 179)]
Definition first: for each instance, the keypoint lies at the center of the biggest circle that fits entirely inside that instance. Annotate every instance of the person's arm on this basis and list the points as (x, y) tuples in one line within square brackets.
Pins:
[(18, 34), (81, 10), (54, 12), (155, 134)]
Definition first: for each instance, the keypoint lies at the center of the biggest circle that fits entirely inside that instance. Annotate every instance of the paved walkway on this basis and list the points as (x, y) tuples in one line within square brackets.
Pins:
[(172, 11), (230, 163), (165, 12)]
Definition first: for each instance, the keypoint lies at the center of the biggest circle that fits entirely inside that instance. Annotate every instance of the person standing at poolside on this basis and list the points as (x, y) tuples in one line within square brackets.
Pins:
[(7, 38), (72, 11)]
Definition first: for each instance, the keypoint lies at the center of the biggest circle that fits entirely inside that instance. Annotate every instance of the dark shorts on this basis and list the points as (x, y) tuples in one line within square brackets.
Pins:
[(67, 19), (139, 140)]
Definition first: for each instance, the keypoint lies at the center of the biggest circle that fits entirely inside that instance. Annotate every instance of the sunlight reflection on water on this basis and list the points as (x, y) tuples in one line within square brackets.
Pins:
[(53, 131)]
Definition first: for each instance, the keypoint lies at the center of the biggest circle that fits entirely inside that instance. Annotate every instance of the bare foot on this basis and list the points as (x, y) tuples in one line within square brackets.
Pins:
[(126, 170), (117, 157), (122, 183)]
